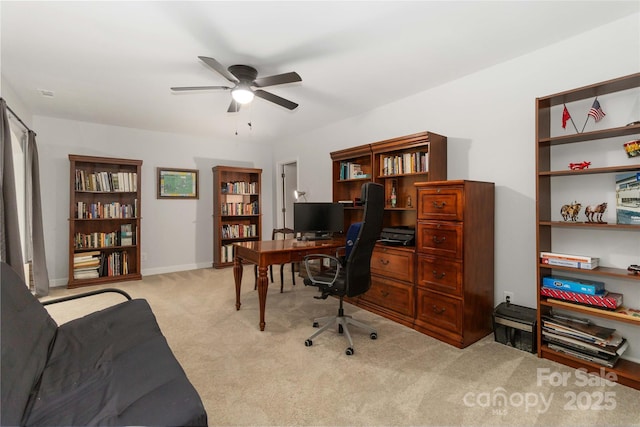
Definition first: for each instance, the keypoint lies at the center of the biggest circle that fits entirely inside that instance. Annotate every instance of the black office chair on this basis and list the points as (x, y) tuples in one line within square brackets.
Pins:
[(349, 276)]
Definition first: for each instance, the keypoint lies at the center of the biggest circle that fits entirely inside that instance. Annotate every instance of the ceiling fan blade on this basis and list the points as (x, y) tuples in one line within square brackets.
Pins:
[(275, 99), (234, 107), (278, 79), (185, 88), (219, 68)]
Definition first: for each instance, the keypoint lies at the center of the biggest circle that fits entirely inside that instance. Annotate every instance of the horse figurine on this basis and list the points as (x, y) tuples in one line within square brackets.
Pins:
[(570, 212), (594, 212)]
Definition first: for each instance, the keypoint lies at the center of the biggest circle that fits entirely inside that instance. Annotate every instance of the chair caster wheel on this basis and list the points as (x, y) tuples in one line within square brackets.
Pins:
[(349, 351), (373, 336), (316, 325), (308, 343)]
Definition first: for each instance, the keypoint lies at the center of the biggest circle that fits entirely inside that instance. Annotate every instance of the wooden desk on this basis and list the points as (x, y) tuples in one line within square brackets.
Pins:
[(266, 252)]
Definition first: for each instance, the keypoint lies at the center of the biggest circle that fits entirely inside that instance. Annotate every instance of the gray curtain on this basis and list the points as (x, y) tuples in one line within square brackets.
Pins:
[(38, 258), (10, 243)]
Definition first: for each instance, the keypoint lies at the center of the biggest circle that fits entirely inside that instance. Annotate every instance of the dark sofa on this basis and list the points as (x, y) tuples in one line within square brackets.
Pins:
[(111, 367)]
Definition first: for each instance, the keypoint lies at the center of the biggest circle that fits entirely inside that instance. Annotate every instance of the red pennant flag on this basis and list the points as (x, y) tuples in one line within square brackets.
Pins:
[(565, 117)]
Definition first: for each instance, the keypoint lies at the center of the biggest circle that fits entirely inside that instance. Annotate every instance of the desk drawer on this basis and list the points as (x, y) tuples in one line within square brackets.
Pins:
[(439, 310), (441, 274), (440, 238), (394, 263), (441, 203), (391, 295)]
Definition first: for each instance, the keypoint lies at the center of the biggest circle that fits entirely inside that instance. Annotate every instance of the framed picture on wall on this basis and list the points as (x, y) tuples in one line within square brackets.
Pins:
[(177, 183)]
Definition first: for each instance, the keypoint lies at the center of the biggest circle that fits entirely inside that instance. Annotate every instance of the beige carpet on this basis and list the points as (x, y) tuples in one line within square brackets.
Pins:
[(247, 377)]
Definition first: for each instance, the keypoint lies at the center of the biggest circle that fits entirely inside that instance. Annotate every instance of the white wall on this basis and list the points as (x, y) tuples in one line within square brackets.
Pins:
[(176, 234), (489, 119)]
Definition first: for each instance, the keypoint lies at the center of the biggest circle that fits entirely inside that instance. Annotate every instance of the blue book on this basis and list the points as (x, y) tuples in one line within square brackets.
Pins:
[(583, 286)]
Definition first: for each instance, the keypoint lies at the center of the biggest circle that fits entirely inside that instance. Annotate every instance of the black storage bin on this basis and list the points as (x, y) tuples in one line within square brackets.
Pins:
[(515, 325)]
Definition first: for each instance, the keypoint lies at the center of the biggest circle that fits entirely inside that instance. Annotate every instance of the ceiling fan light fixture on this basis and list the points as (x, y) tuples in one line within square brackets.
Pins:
[(242, 94)]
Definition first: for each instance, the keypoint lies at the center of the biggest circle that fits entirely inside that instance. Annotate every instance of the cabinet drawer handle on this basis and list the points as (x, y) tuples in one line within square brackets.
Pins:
[(439, 205), (384, 293), (438, 276), (436, 240), (438, 310), (384, 261)]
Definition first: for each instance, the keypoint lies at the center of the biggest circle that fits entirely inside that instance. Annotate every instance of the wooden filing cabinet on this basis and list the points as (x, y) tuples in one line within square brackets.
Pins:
[(455, 256), (392, 292)]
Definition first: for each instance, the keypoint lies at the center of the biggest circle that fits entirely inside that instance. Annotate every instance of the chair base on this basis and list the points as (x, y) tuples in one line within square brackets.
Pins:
[(341, 321)]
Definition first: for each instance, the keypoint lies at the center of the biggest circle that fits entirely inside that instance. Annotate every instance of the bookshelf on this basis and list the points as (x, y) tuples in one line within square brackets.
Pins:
[(237, 214), (398, 164), (550, 172), (104, 220)]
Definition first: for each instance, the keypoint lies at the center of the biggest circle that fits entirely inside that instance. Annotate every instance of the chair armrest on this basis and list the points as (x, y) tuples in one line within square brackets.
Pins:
[(86, 294), (333, 261)]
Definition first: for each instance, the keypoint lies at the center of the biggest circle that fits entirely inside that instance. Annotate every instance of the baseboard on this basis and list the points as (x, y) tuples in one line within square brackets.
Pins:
[(57, 283), (174, 268)]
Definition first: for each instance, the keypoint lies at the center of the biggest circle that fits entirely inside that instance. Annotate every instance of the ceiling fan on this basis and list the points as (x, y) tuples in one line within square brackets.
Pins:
[(245, 78)]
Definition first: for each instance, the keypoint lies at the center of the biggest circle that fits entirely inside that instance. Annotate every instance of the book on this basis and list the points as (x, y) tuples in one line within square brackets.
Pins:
[(126, 235), (568, 263), (608, 362), (608, 300), (628, 198), (586, 347), (578, 327), (591, 287), (568, 257), (582, 339)]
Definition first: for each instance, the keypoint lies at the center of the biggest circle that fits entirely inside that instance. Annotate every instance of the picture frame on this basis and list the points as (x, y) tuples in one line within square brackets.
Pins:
[(176, 183)]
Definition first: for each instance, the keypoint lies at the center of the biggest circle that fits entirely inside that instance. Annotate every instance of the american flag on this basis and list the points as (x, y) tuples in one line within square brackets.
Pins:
[(596, 111)]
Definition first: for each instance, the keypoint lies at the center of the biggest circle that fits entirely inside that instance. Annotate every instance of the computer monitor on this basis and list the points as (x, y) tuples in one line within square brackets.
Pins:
[(318, 220)]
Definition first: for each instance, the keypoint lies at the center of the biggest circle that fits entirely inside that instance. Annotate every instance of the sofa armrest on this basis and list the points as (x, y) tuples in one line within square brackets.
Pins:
[(87, 294)]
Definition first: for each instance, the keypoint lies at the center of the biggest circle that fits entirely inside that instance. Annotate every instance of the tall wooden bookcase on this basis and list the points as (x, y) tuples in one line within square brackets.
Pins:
[(104, 220), (398, 164), (237, 210), (550, 174)]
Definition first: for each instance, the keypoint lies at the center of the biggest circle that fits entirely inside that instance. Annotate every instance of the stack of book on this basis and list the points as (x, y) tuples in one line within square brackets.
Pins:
[(86, 265), (569, 260), (582, 291), (583, 339)]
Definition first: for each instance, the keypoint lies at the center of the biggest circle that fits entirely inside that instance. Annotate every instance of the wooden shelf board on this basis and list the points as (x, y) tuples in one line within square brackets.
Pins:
[(591, 136), (75, 283), (627, 372), (605, 314), (609, 169), (598, 271), (398, 175), (591, 225)]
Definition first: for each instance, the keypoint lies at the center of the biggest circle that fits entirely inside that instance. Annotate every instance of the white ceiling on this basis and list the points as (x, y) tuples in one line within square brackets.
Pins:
[(114, 62)]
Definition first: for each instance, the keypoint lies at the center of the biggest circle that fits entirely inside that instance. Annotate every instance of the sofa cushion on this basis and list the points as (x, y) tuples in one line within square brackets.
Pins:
[(114, 367), (26, 333)]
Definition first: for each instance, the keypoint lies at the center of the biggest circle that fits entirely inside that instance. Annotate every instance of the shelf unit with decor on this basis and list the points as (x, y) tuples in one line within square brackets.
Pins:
[(392, 268), (549, 226), (104, 220), (237, 210)]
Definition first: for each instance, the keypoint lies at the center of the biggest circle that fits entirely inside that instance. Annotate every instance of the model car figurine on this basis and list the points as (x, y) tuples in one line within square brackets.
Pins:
[(583, 165), (634, 268)]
